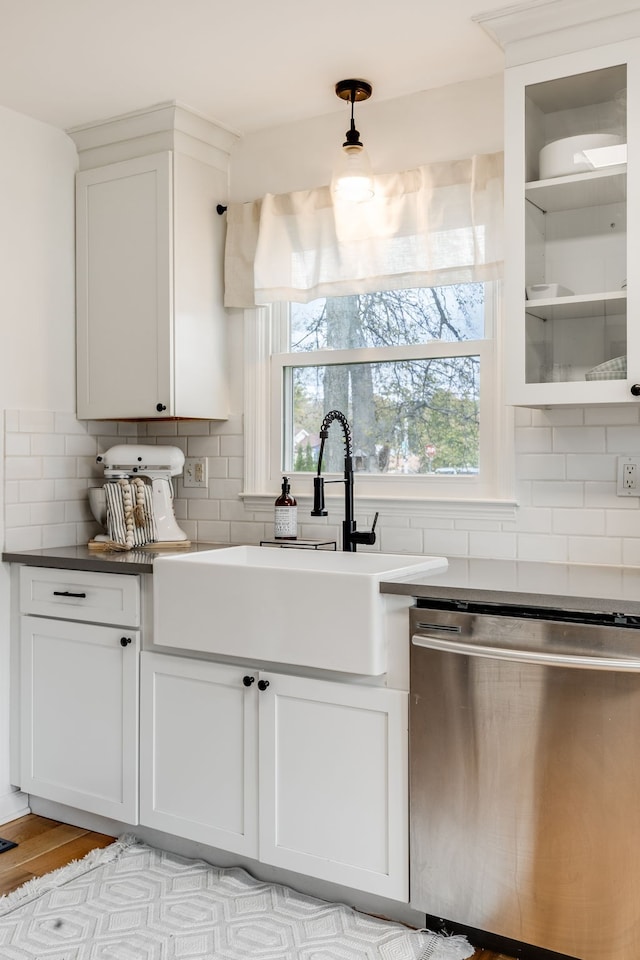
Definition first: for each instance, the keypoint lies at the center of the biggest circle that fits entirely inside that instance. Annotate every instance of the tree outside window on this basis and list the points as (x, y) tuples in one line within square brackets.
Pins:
[(401, 365)]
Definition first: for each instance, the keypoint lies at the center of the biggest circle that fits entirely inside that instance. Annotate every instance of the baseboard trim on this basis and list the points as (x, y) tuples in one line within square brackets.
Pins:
[(14, 805)]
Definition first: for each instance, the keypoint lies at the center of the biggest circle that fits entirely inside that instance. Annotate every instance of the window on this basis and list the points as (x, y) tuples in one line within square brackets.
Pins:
[(389, 313), (410, 413), (414, 371)]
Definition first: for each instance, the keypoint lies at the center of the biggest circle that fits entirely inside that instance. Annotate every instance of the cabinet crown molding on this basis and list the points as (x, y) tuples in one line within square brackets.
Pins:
[(543, 28), (164, 126)]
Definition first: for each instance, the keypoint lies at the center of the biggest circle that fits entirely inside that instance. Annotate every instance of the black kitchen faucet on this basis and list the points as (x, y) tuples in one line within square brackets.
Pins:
[(350, 536)]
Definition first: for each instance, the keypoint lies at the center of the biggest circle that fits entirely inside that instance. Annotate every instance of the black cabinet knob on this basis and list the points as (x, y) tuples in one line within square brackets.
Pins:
[(125, 641), (263, 684), (160, 407), (248, 680), (635, 389)]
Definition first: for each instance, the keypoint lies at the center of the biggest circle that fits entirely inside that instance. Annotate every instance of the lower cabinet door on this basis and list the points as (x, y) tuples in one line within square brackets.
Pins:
[(198, 764), (79, 715), (333, 782)]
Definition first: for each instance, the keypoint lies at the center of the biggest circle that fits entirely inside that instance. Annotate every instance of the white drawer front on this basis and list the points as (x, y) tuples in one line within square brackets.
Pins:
[(80, 595)]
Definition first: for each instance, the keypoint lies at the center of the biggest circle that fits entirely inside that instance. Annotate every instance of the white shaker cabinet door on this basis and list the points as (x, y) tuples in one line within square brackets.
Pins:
[(79, 715), (333, 782), (151, 326), (199, 751), (124, 271)]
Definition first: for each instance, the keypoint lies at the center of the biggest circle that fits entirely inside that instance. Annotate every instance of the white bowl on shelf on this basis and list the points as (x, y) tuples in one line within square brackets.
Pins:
[(562, 157), (547, 291)]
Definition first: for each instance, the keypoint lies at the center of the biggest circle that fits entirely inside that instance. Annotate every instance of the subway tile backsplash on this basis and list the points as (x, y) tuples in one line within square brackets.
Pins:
[(49, 459), (565, 487)]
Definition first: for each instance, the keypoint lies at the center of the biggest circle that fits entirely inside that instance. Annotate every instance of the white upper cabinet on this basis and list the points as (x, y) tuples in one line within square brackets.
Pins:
[(149, 258), (572, 332)]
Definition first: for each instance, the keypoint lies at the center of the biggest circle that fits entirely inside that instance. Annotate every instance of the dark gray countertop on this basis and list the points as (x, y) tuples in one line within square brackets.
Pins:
[(590, 587), (568, 586), (103, 561)]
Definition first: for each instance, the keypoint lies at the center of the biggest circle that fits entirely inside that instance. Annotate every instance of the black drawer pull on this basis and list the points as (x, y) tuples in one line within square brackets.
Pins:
[(263, 684), (248, 680), (125, 641), (68, 593)]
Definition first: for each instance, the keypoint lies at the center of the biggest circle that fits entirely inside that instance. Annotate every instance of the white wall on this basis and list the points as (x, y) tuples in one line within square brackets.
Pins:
[(441, 124), (37, 327), (37, 361)]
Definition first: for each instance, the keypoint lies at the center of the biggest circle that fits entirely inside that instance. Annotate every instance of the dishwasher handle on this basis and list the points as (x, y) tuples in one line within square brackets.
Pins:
[(544, 658)]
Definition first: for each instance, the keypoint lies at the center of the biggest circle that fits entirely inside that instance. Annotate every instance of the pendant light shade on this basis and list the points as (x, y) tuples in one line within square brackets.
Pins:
[(353, 177)]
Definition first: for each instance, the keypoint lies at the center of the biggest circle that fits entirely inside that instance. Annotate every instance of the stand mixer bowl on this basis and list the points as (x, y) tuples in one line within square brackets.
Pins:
[(98, 504)]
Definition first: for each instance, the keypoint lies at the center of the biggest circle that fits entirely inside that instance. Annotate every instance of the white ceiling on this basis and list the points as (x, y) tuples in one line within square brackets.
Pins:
[(248, 64)]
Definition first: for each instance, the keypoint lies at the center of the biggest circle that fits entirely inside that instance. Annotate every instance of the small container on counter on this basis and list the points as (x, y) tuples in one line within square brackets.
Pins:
[(286, 514)]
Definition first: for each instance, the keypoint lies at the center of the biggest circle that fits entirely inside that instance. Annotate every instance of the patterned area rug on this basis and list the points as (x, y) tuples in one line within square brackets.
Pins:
[(133, 902)]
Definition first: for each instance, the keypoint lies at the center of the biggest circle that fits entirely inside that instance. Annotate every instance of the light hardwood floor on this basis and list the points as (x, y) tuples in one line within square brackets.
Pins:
[(45, 845)]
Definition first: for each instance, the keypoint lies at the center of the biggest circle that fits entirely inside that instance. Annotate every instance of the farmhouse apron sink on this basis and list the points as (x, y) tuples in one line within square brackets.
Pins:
[(319, 609)]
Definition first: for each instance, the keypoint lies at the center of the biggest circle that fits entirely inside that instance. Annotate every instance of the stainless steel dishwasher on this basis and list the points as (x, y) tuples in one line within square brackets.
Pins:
[(525, 775)]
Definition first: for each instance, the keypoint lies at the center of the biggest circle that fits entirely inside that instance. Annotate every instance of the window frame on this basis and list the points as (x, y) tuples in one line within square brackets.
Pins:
[(486, 495)]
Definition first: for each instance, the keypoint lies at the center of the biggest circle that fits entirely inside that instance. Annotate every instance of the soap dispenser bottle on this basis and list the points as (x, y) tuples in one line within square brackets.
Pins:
[(286, 514)]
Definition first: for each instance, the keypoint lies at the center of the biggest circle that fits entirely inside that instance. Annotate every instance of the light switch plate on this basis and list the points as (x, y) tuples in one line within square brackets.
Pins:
[(195, 472)]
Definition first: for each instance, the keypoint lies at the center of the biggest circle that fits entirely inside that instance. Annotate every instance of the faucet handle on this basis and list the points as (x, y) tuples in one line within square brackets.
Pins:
[(365, 537)]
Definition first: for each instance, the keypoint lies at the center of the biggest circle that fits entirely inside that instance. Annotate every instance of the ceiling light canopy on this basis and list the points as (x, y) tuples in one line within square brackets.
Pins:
[(353, 177)]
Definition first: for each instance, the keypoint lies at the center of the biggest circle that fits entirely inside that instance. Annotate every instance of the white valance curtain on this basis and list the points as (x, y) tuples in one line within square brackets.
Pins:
[(436, 225)]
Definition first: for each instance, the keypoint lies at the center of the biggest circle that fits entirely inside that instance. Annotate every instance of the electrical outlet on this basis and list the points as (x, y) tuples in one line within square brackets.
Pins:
[(195, 472), (628, 477)]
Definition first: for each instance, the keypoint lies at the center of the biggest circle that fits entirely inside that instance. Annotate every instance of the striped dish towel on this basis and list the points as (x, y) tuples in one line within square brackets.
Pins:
[(130, 520)]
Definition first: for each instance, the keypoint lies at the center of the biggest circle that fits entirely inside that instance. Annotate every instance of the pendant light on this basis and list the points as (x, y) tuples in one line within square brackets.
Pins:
[(353, 177)]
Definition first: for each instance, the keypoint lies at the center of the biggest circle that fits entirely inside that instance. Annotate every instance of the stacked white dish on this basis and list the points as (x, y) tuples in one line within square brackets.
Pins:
[(562, 157), (544, 291), (615, 369)]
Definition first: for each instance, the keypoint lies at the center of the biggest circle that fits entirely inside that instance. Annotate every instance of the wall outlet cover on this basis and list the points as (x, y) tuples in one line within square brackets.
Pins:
[(628, 477)]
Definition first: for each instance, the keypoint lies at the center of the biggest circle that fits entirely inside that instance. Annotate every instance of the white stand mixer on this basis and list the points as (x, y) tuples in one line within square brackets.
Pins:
[(156, 464)]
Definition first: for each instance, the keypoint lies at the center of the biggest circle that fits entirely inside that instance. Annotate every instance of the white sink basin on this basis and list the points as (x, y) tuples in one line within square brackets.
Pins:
[(311, 608)]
